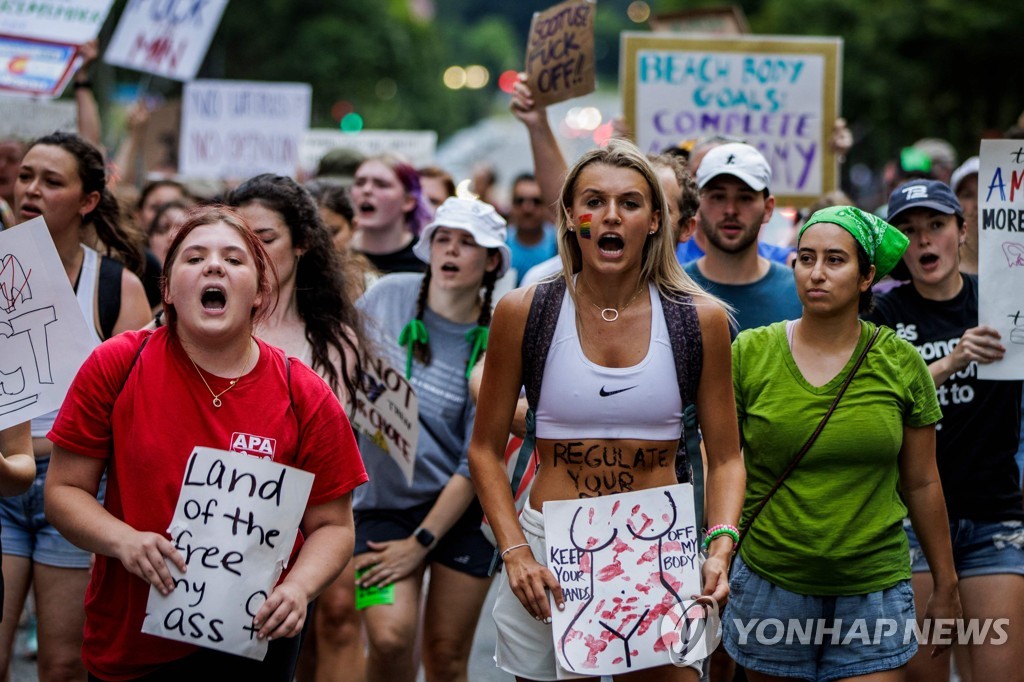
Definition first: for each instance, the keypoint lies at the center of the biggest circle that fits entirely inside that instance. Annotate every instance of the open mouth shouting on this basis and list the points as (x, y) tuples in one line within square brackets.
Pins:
[(611, 245), (29, 211), (928, 261), (450, 267), (214, 298)]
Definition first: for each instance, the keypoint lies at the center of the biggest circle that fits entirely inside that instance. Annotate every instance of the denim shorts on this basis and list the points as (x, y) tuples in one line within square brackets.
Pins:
[(25, 532), (979, 547), (773, 631)]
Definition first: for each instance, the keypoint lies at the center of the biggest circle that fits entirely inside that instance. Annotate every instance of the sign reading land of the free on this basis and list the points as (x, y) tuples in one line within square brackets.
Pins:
[(780, 94), (59, 21), (235, 525), (623, 562), (1001, 253), (166, 38), (237, 129), (44, 338), (560, 52)]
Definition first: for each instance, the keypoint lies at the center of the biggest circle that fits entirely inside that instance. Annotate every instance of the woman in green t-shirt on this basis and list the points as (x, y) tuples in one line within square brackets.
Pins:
[(821, 587)]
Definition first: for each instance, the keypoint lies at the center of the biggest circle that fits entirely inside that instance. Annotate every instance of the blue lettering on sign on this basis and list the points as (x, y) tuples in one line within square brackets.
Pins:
[(678, 69), (770, 70), (174, 12), (727, 97)]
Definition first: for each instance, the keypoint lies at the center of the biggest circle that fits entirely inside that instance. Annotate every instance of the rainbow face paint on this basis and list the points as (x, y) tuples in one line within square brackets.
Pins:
[(585, 225)]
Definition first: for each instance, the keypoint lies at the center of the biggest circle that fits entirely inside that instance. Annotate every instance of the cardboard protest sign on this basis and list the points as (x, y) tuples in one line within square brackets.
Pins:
[(560, 52), (780, 94), (623, 562), (167, 38), (725, 20), (35, 68), (44, 338), (59, 21), (235, 524), (237, 129), (416, 146), (387, 411), (25, 119), (1001, 253)]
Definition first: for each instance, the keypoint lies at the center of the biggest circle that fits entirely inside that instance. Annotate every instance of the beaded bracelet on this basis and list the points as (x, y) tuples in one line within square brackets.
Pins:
[(718, 531), (522, 544)]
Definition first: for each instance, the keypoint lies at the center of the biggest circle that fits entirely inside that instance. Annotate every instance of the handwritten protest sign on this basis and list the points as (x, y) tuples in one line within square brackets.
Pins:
[(25, 119), (167, 38), (780, 94), (623, 562), (560, 52), (44, 338), (35, 68), (60, 21), (1001, 252), (235, 525), (237, 129), (416, 146), (387, 412)]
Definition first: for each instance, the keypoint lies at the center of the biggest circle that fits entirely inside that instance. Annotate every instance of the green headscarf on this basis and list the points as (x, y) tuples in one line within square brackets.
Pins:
[(883, 243)]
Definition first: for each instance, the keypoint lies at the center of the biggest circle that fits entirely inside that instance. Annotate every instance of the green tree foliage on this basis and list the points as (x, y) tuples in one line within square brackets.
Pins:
[(931, 68)]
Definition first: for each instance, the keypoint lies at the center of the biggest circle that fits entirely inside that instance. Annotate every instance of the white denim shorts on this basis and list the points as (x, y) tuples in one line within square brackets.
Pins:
[(525, 646)]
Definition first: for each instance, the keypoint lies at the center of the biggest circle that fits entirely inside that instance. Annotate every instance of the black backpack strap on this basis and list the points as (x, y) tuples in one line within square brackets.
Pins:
[(537, 336), (134, 360), (688, 352)]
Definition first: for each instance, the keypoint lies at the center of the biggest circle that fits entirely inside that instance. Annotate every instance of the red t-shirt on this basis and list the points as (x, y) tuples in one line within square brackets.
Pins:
[(147, 431)]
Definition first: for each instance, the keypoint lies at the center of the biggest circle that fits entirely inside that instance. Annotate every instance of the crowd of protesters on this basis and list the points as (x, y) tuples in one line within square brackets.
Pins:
[(255, 309)]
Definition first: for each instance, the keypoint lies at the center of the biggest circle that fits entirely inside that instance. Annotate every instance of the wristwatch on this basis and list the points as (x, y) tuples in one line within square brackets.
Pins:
[(424, 537)]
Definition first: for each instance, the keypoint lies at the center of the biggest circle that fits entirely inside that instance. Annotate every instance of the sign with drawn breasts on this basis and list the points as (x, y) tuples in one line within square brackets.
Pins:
[(623, 562)]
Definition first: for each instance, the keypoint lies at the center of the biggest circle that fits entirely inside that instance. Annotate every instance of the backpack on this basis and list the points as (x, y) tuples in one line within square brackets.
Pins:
[(684, 332)]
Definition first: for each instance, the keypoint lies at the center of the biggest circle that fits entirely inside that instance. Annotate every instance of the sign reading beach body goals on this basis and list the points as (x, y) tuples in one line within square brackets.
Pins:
[(235, 525), (780, 94), (624, 562), (1001, 253)]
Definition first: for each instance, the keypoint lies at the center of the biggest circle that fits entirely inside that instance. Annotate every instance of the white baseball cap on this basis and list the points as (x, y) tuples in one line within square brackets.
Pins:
[(739, 160), (971, 166), (474, 216)]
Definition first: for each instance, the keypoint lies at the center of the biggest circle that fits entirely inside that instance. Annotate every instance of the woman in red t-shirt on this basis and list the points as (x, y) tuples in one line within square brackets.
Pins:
[(138, 407)]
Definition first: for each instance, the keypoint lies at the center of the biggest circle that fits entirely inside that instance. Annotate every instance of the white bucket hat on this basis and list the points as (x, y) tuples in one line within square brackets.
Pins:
[(473, 216)]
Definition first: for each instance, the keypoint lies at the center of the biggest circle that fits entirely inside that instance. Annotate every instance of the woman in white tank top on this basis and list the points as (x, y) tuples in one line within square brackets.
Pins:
[(609, 386), (62, 178)]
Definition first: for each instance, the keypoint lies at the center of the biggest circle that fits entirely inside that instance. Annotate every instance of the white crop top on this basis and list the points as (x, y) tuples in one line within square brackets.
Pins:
[(581, 399)]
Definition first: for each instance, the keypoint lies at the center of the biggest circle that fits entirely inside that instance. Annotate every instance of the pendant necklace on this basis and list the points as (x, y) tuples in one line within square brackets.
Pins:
[(217, 402)]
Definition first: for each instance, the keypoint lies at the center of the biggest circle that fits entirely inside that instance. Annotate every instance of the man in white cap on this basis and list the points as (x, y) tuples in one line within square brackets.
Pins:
[(734, 203), (964, 184)]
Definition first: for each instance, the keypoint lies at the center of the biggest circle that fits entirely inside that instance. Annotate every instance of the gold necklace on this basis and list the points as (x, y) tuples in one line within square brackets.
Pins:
[(612, 314), (217, 402)]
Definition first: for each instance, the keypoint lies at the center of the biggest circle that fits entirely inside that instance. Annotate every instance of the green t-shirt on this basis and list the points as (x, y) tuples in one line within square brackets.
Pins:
[(834, 527)]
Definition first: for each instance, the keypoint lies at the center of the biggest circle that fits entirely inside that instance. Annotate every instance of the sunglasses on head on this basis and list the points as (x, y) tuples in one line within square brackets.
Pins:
[(519, 201)]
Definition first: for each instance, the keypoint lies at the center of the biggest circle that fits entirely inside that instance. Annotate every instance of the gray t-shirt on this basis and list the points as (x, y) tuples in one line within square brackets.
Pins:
[(445, 409)]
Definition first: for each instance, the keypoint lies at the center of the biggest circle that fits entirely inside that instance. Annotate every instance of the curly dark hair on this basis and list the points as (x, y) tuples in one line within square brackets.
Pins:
[(106, 217), (330, 317)]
